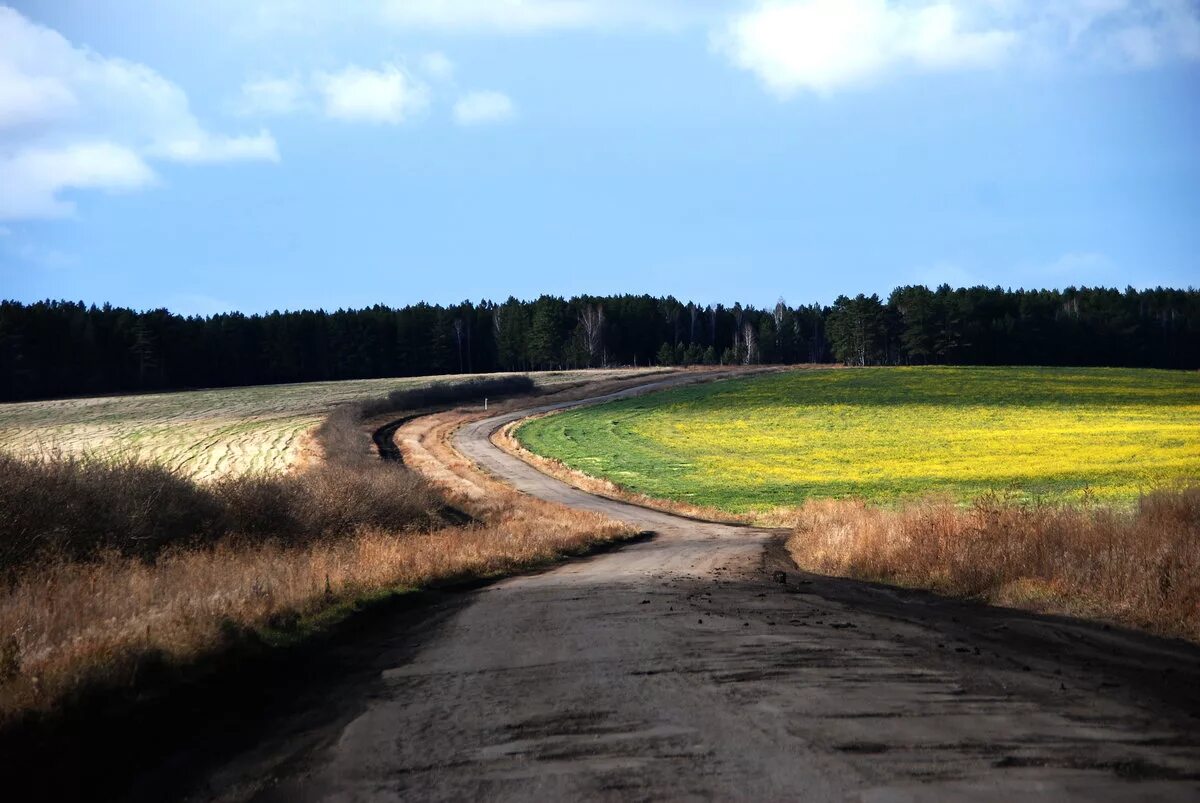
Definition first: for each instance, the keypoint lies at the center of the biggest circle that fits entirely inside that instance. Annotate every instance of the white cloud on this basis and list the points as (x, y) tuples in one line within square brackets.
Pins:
[(71, 119), (476, 108), (386, 95), (271, 97), (936, 37), (32, 178), (28, 99), (824, 45), (437, 65), (391, 93), (204, 148)]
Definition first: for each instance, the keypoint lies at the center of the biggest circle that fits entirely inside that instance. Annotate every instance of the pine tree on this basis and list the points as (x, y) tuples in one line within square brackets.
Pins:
[(855, 328), (666, 354)]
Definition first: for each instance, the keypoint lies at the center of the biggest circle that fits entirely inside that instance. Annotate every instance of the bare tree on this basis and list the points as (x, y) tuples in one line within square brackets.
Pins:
[(781, 311), (750, 342), (739, 353), (459, 330), (591, 318)]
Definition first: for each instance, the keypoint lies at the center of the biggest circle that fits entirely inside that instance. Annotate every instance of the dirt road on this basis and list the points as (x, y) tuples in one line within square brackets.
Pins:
[(678, 667)]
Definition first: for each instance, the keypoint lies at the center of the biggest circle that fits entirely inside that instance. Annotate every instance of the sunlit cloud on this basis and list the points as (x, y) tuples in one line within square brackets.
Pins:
[(826, 45), (386, 95), (71, 119)]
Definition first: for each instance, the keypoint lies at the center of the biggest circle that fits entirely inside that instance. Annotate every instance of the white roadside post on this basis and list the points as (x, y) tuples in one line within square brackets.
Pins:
[(485, 403)]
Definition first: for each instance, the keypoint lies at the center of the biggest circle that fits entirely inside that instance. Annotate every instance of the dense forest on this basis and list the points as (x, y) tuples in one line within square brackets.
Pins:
[(58, 348)]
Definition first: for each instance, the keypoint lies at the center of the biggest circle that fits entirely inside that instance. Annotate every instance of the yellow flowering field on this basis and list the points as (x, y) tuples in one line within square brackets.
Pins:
[(886, 434)]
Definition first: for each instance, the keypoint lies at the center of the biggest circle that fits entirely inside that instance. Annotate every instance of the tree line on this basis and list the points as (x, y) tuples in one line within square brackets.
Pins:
[(62, 348)]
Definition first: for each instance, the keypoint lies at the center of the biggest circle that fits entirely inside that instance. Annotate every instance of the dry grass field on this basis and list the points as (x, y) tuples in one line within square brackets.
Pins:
[(204, 434), (1139, 566)]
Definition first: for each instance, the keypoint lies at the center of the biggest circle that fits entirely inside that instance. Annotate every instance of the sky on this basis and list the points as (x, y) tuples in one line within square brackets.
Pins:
[(290, 154)]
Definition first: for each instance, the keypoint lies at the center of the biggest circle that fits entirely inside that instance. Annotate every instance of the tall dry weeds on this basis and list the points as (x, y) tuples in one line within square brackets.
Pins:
[(1139, 566), (106, 564), (76, 624), (71, 509)]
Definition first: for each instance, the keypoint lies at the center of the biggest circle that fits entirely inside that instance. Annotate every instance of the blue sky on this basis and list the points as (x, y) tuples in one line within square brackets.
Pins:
[(213, 156)]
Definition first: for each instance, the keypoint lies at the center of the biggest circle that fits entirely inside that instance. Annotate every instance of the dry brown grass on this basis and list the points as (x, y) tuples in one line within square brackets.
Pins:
[(125, 563), (72, 624), (1139, 567), (75, 509)]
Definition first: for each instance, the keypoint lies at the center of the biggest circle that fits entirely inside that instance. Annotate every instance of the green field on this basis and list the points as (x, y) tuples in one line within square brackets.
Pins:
[(202, 434), (886, 434)]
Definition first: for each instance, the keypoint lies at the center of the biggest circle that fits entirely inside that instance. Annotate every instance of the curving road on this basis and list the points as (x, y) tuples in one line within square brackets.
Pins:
[(678, 668)]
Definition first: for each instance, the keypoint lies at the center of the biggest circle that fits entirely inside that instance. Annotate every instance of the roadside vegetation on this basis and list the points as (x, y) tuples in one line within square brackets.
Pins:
[(884, 435), (112, 567), (1139, 566)]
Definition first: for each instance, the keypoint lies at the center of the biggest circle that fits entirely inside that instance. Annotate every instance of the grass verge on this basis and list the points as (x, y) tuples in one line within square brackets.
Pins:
[(1139, 567)]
